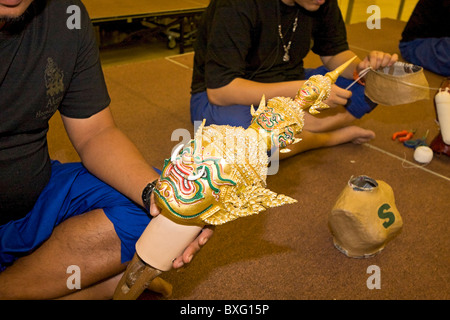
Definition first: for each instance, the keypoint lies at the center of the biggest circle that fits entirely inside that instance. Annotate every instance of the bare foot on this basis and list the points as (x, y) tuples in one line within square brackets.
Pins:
[(364, 136), (353, 134), (312, 140)]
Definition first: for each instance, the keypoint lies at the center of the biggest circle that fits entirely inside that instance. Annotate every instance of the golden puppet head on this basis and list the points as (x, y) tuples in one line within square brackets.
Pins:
[(318, 88), (278, 122)]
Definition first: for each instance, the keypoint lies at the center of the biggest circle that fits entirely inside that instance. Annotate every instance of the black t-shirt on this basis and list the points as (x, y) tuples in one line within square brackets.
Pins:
[(45, 65), (430, 19), (239, 38)]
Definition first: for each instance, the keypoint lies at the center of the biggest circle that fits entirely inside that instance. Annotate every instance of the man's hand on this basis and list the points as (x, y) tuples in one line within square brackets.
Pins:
[(377, 59), (338, 97), (194, 247)]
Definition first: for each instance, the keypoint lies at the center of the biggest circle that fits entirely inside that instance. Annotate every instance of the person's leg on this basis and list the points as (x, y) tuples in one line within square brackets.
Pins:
[(87, 241), (329, 119), (201, 108), (312, 140), (99, 291), (105, 290), (238, 115), (98, 223), (431, 53)]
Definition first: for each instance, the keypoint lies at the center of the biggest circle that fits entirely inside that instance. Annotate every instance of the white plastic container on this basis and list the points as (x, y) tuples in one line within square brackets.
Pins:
[(442, 100)]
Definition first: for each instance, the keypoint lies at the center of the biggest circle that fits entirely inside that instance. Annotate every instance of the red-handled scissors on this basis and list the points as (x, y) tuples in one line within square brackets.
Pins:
[(403, 135)]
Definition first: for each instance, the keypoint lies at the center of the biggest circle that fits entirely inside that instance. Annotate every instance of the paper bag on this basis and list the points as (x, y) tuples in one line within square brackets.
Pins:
[(401, 83), (364, 218)]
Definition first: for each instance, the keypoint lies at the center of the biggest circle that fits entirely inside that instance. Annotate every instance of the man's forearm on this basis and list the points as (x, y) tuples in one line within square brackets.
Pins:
[(113, 158), (109, 154), (332, 62)]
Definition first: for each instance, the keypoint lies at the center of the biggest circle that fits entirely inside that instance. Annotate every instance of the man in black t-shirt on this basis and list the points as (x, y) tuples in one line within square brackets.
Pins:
[(249, 48), (426, 37), (56, 218)]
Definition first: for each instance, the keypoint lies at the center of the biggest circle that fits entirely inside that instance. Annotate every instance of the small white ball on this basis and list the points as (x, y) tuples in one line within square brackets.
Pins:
[(423, 154)]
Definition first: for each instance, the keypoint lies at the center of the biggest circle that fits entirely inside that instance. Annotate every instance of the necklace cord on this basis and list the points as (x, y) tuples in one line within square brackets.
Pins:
[(287, 47)]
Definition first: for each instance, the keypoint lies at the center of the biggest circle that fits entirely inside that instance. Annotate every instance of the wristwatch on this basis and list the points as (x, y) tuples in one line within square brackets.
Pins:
[(146, 193)]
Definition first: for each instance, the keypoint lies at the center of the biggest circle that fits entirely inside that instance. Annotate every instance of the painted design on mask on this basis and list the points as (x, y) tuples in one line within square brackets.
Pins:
[(191, 182)]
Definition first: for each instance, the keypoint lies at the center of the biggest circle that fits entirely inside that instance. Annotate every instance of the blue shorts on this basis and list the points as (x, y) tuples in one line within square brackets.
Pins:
[(239, 115), (430, 53), (71, 191)]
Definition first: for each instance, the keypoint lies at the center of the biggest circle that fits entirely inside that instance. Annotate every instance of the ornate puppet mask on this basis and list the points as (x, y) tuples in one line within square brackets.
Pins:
[(219, 177)]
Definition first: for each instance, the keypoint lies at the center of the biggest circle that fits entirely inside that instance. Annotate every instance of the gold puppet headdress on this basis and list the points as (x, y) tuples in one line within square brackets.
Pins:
[(318, 88)]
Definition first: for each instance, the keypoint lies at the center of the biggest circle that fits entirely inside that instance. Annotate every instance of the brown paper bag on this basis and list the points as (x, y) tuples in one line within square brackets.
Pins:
[(401, 83), (364, 218)]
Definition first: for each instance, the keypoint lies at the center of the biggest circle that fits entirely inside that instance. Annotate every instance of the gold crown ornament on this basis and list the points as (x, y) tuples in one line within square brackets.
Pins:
[(318, 88)]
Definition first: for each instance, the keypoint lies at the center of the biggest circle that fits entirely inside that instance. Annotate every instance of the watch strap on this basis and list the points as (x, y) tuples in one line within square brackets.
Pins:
[(146, 193)]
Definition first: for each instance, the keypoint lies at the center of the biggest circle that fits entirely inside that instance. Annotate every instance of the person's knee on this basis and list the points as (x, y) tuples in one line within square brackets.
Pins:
[(83, 249)]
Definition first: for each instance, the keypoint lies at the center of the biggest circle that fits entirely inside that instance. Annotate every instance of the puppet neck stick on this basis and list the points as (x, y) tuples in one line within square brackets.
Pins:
[(136, 279), (162, 241)]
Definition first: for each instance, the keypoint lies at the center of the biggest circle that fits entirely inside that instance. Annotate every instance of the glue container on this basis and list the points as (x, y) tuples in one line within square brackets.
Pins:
[(442, 100)]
